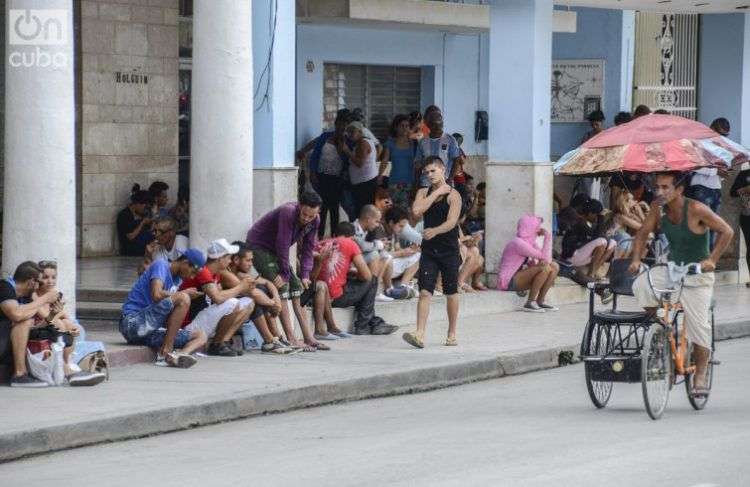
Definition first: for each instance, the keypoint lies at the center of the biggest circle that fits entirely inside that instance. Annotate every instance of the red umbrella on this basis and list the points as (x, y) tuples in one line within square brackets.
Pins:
[(653, 143)]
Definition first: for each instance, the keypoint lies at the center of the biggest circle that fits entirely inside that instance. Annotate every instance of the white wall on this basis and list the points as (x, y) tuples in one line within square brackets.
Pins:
[(456, 88)]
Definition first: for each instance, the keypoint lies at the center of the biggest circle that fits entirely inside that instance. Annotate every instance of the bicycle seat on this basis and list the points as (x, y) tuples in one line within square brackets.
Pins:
[(618, 316)]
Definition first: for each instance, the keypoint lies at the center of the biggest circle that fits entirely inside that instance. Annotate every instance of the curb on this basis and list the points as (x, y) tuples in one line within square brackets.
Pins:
[(219, 409)]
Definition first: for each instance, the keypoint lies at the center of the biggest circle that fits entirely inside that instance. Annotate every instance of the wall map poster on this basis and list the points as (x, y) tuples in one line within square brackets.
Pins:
[(577, 88)]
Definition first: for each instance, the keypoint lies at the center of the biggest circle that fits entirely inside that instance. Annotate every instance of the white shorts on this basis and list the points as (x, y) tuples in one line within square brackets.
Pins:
[(696, 301), (400, 264), (208, 318)]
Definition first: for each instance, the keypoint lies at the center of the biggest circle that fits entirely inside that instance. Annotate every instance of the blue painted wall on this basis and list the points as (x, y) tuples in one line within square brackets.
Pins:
[(599, 36), (720, 69), (452, 66)]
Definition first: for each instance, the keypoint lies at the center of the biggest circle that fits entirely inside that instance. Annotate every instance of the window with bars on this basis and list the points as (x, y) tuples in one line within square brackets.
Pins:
[(380, 91)]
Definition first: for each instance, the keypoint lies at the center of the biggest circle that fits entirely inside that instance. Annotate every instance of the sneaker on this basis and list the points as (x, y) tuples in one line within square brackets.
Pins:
[(27, 381), (161, 360), (383, 329), (365, 330), (532, 307), (81, 379), (238, 351), (383, 298), (398, 292), (548, 307), (221, 350)]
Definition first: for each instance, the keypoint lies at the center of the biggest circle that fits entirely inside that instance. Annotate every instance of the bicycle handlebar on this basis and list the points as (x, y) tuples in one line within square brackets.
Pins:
[(693, 268)]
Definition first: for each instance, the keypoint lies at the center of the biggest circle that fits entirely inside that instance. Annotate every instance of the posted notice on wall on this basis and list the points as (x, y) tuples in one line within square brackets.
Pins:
[(577, 89)]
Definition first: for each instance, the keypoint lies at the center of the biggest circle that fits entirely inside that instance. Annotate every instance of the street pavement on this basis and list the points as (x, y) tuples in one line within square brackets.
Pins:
[(536, 429)]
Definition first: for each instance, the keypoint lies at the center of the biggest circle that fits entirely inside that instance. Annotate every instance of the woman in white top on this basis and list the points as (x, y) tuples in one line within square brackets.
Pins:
[(363, 167)]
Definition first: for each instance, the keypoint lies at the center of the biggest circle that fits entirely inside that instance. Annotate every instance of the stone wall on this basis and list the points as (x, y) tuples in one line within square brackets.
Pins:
[(129, 51)]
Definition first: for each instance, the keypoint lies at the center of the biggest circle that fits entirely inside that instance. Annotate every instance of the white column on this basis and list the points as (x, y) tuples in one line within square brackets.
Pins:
[(745, 105), (519, 174), (274, 57), (221, 177), (39, 206)]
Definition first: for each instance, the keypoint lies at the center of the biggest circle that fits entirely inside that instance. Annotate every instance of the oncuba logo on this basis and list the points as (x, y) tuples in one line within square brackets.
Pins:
[(38, 27)]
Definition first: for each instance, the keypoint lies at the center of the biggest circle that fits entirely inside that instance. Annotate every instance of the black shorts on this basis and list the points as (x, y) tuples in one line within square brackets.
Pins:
[(446, 264), (5, 355)]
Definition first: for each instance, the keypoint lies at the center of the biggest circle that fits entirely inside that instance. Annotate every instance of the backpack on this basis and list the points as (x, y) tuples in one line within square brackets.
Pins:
[(95, 362)]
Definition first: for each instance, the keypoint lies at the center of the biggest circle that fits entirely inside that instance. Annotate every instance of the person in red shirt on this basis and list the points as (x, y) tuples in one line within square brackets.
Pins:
[(218, 312), (342, 291)]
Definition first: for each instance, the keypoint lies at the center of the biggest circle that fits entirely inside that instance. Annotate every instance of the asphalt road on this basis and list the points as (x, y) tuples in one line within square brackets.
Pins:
[(533, 430)]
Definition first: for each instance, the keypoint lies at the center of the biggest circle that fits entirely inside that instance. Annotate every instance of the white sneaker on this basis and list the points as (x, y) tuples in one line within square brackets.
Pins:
[(383, 298)]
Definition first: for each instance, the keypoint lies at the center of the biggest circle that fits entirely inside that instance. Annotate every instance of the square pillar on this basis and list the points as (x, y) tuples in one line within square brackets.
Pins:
[(519, 173)]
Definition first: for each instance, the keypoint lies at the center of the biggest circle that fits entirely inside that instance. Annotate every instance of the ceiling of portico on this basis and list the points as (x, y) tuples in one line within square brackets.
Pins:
[(677, 6)]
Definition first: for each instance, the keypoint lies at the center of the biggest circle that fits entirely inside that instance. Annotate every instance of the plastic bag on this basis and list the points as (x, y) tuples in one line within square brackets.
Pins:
[(47, 365)]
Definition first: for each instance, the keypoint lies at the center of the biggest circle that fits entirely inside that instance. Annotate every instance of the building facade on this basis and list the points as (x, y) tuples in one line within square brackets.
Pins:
[(214, 97)]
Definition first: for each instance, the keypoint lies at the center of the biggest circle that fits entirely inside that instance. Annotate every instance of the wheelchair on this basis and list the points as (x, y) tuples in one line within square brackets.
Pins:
[(634, 346)]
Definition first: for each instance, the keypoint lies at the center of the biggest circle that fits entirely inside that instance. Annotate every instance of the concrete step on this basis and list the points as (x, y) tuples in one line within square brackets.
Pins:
[(102, 295), (396, 312)]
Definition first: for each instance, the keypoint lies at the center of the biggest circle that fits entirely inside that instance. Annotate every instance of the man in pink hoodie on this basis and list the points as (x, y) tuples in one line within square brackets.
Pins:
[(524, 266)]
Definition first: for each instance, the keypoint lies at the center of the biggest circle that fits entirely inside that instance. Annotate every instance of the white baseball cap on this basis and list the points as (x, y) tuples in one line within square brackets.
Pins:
[(219, 248)]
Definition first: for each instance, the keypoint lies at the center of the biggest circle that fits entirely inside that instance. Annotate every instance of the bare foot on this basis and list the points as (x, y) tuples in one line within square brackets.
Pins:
[(479, 286)]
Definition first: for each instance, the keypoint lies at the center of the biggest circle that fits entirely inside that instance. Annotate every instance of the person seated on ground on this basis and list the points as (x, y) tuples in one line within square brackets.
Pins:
[(56, 315), (571, 214), (583, 247), (263, 293), (17, 320), (628, 217), (405, 253), (525, 266), (159, 199), (134, 224), (373, 249), (325, 323), (358, 289), (472, 266), (631, 182), (167, 244), (217, 312), (154, 310), (270, 239), (475, 216)]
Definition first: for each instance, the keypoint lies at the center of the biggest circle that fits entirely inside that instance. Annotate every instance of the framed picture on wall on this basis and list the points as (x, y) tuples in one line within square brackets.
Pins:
[(577, 89)]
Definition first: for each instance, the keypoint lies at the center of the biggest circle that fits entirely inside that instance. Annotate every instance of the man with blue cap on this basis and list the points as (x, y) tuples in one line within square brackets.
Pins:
[(154, 310)]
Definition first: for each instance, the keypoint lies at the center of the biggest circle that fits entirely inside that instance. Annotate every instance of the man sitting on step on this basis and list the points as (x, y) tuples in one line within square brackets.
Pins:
[(345, 290), (218, 312), (155, 309)]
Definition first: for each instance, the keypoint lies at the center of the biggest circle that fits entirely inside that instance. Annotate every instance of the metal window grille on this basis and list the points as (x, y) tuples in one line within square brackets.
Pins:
[(666, 61), (380, 91)]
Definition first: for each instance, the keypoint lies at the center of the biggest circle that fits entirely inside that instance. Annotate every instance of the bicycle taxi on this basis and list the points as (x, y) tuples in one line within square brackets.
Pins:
[(635, 346)]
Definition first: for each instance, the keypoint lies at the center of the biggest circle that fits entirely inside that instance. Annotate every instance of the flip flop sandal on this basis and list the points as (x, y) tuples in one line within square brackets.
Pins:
[(413, 340), (322, 346), (308, 348), (451, 342), (343, 334)]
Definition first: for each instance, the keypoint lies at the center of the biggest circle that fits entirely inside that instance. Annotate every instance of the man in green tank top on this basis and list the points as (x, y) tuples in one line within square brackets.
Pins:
[(686, 223)]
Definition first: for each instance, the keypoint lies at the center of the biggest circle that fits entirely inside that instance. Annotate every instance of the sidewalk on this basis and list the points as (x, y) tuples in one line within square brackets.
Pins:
[(144, 400)]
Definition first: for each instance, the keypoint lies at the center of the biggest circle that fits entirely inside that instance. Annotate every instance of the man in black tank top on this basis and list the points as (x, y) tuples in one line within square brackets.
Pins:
[(440, 205)]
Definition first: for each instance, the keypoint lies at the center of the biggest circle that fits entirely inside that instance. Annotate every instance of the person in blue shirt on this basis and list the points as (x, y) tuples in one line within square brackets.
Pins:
[(400, 150), (154, 311), (438, 144)]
